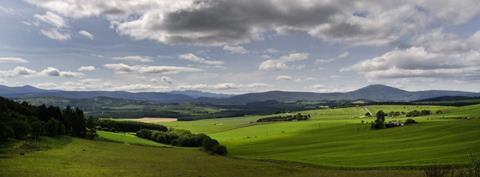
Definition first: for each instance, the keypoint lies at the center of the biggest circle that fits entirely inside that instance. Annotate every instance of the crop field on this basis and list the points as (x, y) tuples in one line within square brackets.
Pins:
[(337, 138), (87, 158)]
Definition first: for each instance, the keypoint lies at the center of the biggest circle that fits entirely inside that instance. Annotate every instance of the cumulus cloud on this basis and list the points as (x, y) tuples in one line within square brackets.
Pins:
[(284, 77), (12, 60), (135, 58), (17, 71), (281, 63), (196, 59), (49, 71), (224, 22), (124, 68), (54, 72), (223, 86), (86, 34), (418, 62), (342, 55), (235, 49), (86, 68)]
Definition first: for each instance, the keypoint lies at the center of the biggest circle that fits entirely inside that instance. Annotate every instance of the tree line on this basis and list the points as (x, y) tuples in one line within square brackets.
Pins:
[(184, 138), (127, 126), (297, 117), (22, 120)]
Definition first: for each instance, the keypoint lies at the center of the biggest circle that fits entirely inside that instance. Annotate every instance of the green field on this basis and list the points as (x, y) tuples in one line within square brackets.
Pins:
[(332, 143), (336, 138), (127, 138), (87, 158)]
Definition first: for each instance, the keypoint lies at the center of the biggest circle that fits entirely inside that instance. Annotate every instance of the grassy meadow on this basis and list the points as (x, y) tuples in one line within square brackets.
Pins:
[(333, 143), (88, 158), (337, 138)]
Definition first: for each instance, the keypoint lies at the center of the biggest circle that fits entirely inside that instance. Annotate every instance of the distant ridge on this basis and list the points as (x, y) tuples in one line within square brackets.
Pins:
[(377, 93)]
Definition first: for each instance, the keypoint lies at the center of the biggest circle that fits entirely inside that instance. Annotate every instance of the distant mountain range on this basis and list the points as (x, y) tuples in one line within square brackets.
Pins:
[(377, 93)]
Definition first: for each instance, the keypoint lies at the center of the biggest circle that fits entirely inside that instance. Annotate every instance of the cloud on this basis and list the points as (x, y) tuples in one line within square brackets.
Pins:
[(7, 11), (54, 72), (224, 22), (166, 79), (196, 59), (86, 68), (139, 87), (12, 60), (342, 55), (418, 62), (86, 34), (49, 71), (235, 49), (52, 19), (223, 86), (135, 58), (124, 68), (17, 71), (56, 34), (281, 63), (284, 77)]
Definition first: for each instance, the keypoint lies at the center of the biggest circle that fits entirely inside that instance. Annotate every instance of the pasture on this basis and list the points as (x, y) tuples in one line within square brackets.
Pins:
[(87, 158), (337, 138)]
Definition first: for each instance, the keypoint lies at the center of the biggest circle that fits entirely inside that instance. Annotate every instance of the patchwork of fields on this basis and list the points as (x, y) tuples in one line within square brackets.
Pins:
[(337, 138), (333, 143)]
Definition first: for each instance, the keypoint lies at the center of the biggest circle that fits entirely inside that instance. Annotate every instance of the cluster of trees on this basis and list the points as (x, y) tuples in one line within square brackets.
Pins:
[(416, 113), (21, 120), (298, 117), (379, 122), (184, 138), (127, 126)]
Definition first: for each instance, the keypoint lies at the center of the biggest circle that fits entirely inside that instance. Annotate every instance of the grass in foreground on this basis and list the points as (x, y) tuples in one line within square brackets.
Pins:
[(87, 158)]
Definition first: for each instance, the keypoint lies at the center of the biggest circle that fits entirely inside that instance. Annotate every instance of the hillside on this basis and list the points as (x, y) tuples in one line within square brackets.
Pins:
[(377, 93), (337, 138), (87, 158)]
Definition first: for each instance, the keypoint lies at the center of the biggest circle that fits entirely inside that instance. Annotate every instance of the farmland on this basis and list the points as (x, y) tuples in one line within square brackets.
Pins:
[(337, 138), (334, 142)]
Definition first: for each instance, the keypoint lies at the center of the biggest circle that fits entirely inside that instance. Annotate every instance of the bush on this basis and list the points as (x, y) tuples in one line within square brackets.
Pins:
[(183, 138), (410, 121)]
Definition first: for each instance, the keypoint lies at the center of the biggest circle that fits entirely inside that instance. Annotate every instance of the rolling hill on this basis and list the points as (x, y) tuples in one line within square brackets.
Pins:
[(377, 93)]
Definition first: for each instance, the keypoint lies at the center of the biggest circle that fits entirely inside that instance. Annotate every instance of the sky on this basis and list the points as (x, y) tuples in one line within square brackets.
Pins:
[(240, 46)]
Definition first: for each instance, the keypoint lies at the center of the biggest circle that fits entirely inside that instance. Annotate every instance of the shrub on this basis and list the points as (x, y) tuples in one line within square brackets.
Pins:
[(144, 133), (410, 121)]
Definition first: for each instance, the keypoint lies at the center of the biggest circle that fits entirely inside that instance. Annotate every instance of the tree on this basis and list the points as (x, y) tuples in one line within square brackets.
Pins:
[(37, 129), (91, 127), (52, 127), (20, 129), (380, 121)]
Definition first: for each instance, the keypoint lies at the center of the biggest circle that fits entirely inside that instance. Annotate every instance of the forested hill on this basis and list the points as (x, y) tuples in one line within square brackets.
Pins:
[(22, 120)]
